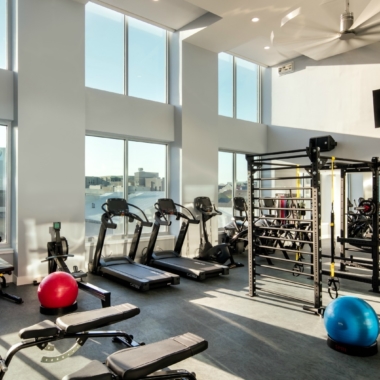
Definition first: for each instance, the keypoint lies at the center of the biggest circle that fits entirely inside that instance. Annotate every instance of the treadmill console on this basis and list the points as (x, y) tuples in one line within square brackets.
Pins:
[(117, 206), (240, 204), (203, 204), (167, 206)]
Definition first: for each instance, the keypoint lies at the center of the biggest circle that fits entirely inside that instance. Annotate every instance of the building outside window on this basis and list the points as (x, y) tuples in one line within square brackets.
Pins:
[(123, 170), (135, 65), (239, 88)]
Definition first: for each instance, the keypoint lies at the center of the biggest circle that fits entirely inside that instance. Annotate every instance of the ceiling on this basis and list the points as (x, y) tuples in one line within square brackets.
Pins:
[(231, 29)]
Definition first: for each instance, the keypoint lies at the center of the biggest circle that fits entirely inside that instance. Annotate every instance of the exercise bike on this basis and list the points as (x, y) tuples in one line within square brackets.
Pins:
[(58, 252), (220, 253), (137, 361)]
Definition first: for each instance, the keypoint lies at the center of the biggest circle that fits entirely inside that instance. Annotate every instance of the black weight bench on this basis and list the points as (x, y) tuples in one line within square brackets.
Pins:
[(75, 326), (6, 268), (139, 362)]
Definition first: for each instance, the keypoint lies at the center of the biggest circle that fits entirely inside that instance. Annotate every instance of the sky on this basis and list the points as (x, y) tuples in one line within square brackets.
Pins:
[(105, 156)]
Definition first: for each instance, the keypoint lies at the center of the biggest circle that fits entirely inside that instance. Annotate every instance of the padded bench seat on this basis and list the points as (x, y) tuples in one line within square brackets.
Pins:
[(80, 322), (137, 362)]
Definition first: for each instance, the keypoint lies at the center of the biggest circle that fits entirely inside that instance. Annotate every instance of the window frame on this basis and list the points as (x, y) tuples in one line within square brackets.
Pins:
[(126, 56), (234, 92), (234, 174), (6, 243), (126, 139)]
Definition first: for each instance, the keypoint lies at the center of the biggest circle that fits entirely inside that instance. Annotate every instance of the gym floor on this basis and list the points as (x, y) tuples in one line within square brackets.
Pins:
[(264, 337)]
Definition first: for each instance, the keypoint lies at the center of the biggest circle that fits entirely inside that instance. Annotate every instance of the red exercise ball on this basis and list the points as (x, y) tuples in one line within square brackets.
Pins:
[(58, 289)]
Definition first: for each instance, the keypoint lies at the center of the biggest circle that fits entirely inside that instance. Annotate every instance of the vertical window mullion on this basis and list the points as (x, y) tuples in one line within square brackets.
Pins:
[(126, 182), (126, 55), (234, 96), (167, 67)]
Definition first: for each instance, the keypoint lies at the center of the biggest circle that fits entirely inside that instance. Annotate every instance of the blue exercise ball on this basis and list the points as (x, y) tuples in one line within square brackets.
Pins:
[(351, 320)]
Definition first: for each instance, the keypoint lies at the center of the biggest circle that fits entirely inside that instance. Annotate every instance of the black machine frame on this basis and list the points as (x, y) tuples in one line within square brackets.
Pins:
[(257, 249), (189, 268), (368, 266), (58, 252), (124, 268)]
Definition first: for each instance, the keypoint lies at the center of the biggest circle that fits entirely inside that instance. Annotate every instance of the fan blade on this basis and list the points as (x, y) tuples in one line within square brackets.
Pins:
[(303, 44), (335, 47), (371, 10), (323, 2)]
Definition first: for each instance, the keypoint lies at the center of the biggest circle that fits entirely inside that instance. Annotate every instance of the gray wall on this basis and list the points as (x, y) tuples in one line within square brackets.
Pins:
[(6, 95)]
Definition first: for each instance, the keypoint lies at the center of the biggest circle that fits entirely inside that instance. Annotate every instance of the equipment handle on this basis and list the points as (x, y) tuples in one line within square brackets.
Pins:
[(146, 224)]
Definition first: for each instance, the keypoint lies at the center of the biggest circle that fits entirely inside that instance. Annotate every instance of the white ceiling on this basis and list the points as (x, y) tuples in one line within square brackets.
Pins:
[(234, 32)]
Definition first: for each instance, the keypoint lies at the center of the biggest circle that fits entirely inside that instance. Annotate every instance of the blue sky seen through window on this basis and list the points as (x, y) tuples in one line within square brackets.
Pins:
[(225, 83), (3, 34), (146, 61), (246, 90), (104, 49)]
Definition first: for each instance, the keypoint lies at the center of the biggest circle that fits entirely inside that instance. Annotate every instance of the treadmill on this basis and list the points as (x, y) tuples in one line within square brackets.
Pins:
[(124, 268), (172, 260)]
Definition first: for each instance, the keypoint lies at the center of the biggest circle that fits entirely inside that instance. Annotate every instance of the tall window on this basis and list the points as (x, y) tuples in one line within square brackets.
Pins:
[(3, 34), (239, 88), (104, 49), (104, 179), (109, 55), (141, 182), (4, 180), (232, 183), (146, 61), (226, 84)]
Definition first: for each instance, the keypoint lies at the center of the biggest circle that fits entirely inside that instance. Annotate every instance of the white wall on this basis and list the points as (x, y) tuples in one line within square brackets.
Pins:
[(241, 136), (128, 116), (332, 95), (51, 131), (6, 95)]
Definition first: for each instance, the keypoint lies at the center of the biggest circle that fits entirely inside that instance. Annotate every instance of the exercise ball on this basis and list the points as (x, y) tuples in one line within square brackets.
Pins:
[(351, 320), (58, 290)]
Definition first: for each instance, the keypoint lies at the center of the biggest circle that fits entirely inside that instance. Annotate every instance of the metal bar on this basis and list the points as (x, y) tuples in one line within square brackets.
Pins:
[(350, 276), (276, 198), (282, 188), (316, 215), (279, 178), (284, 167), (283, 239), (284, 208), (103, 295), (284, 270), (284, 295), (343, 218), (275, 217), (285, 280), (281, 259), (284, 249), (352, 259), (282, 229), (275, 153), (251, 217), (281, 158), (375, 226), (337, 159)]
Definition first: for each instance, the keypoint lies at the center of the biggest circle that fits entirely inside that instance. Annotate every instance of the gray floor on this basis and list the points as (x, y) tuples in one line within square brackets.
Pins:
[(249, 338)]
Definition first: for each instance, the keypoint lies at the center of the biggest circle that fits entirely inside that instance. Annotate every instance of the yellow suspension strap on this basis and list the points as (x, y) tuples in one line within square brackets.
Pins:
[(333, 282)]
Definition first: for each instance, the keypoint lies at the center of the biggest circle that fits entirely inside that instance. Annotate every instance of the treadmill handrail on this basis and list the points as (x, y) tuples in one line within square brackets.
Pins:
[(179, 215)]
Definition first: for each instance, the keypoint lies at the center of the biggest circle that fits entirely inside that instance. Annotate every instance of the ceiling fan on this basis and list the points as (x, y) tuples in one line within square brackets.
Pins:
[(324, 29)]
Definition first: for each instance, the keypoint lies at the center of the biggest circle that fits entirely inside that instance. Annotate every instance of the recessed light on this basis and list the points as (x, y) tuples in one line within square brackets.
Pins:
[(267, 47), (255, 19)]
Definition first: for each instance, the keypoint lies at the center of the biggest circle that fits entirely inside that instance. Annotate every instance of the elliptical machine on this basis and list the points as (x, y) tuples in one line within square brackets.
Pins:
[(207, 252)]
